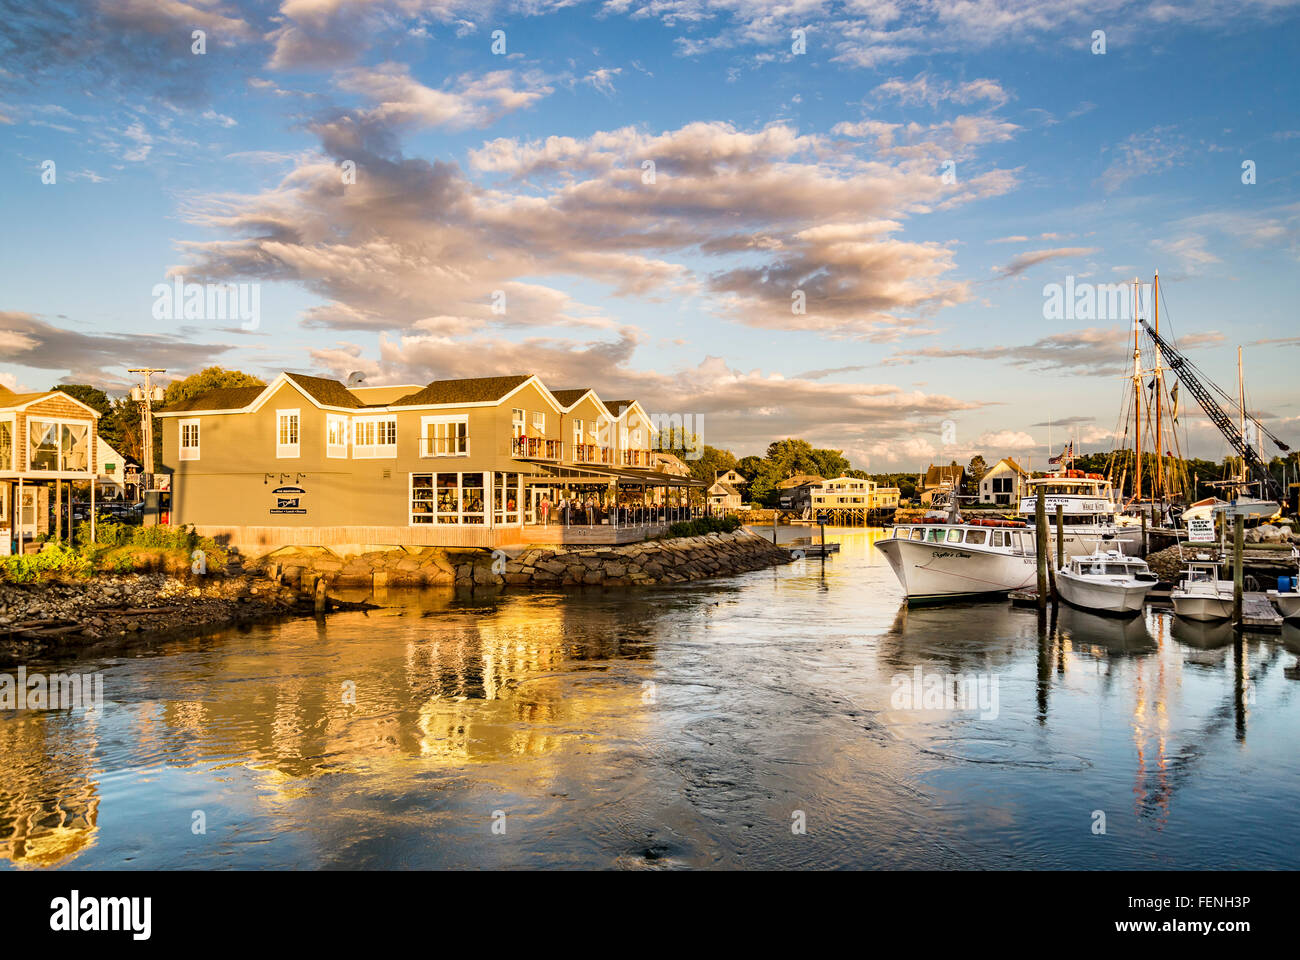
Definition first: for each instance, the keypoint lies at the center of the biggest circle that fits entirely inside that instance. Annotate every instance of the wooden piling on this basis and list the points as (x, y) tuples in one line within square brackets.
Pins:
[(1041, 546), (1145, 548), (1238, 574), (318, 602), (1060, 535)]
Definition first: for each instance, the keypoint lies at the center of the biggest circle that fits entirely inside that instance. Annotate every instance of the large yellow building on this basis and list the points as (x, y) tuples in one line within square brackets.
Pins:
[(474, 462)]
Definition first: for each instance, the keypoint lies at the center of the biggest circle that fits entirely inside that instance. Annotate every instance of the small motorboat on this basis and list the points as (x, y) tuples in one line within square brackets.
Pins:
[(1106, 581), (1288, 601), (1201, 595)]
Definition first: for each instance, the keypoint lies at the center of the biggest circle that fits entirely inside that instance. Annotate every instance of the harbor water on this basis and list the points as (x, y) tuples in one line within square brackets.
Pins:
[(797, 717)]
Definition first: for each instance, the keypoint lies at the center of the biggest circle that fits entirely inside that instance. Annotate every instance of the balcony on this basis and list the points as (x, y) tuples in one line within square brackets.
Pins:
[(591, 453), (636, 458), (536, 448), (453, 446)]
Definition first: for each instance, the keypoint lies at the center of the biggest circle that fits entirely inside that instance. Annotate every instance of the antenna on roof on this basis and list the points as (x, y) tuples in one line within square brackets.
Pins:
[(356, 378)]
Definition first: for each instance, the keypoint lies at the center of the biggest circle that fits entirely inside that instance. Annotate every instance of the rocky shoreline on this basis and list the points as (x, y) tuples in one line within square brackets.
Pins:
[(37, 619), (644, 563), (42, 618)]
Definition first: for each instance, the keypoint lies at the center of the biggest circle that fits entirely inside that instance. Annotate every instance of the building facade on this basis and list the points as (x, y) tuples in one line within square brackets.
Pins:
[(1003, 484), (47, 441), (473, 462)]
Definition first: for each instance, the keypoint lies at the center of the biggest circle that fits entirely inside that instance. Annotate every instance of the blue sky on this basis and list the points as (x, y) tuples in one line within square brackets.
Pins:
[(775, 171)]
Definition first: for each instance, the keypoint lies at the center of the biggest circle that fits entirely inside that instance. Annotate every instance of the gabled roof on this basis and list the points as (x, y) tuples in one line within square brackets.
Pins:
[(724, 488), (1009, 462), (472, 390), (223, 398), (332, 393), (13, 401), (800, 480), (936, 474), (568, 398)]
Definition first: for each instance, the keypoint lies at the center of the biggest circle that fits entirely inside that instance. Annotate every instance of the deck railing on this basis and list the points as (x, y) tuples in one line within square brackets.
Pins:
[(537, 448)]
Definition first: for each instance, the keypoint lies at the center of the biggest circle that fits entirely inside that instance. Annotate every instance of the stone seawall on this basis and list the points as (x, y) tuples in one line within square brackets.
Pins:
[(647, 562)]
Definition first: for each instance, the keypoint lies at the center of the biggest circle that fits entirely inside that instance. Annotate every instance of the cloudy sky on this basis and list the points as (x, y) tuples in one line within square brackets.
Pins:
[(832, 220)]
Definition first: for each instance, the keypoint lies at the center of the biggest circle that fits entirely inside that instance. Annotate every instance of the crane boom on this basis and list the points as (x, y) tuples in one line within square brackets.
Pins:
[(1178, 363)]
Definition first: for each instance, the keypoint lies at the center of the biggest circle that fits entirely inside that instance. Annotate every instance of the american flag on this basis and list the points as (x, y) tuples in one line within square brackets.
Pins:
[(1066, 454)]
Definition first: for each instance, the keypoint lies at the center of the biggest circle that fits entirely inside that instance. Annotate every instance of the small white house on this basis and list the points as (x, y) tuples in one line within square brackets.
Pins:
[(1004, 483)]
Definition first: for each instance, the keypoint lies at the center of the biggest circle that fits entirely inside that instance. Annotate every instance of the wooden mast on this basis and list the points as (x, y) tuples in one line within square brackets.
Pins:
[(1137, 394), (1160, 439)]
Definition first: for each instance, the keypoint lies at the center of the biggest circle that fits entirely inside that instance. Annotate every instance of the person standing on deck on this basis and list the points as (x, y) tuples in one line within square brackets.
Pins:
[(545, 507)]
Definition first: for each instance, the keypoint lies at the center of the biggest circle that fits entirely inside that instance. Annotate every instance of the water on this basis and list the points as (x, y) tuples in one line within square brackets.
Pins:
[(667, 728)]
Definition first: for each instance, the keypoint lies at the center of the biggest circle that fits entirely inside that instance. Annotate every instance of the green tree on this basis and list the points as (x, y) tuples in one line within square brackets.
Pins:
[(92, 397), (205, 381), (977, 470)]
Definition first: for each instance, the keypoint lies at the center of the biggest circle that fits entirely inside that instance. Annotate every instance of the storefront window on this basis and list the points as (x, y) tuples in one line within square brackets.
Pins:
[(505, 498), (422, 498), (448, 498)]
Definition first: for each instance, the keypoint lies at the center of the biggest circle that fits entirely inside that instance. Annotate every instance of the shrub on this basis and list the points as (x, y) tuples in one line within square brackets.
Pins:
[(54, 560), (704, 525)]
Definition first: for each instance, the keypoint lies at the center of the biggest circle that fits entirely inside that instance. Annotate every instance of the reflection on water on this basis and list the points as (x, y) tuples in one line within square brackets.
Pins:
[(670, 727)]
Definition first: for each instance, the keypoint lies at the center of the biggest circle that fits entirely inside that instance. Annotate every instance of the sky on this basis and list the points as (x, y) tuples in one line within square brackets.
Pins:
[(830, 220)]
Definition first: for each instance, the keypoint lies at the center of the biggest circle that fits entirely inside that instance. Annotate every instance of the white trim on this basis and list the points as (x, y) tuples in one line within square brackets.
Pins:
[(12, 420), (373, 451), (60, 422), (181, 449), (337, 451), (288, 450), (55, 395), (426, 435)]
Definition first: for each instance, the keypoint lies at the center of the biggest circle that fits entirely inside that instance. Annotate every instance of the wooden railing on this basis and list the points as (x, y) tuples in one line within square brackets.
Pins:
[(537, 448)]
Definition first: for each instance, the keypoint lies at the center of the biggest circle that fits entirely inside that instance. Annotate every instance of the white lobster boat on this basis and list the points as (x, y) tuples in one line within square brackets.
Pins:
[(1201, 595), (1088, 512), (1288, 601), (1106, 582), (956, 560)]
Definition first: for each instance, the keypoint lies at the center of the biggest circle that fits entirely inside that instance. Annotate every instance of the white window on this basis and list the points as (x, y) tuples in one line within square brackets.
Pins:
[(56, 445), (286, 433), (539, 424), (7, 444), (374, 438), (189, 440), (517, 422), (336, 436), (444, 436), (577, 433)]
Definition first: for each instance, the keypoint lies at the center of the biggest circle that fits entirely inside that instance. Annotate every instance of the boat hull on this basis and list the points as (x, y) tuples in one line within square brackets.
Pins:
[(1091, 594), (1201, 606), (941, 571), (1288, 604)]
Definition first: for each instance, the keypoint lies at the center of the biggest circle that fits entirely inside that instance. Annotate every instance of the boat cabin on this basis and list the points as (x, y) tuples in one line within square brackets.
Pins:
[(1112, 564), (1006, 536)]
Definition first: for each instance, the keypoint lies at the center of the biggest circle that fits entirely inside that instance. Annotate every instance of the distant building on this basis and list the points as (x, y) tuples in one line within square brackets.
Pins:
[(724, 496), (850, 499), (795, 493), (733, 478), (940, 480), (668, 463), (1003, 484), (119, 476)]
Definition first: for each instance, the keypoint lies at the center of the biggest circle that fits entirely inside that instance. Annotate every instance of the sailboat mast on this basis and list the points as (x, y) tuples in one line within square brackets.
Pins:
[(1160, 473), (1137, 392), (1241, 398)]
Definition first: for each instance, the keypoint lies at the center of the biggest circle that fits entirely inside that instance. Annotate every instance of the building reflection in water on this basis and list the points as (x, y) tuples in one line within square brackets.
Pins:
[(49, 799)]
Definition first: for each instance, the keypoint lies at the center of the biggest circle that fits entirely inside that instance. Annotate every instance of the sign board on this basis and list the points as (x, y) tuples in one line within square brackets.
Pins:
[(1200, 530), (288, 499)]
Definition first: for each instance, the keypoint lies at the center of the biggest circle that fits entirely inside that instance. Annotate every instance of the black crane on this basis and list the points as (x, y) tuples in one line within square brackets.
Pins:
[(1269, 487)]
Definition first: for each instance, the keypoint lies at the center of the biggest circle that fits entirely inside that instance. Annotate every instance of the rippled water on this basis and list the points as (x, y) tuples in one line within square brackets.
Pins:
[(674, 727)]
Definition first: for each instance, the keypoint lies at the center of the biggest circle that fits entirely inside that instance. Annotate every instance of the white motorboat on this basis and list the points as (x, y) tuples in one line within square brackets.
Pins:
[(954, 560), (1201, 595), (1106, 582), (1288, 601), (1088, 512)]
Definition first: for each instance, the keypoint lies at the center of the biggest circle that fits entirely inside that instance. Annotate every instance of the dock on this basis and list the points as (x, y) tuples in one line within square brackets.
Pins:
[(802, 547)]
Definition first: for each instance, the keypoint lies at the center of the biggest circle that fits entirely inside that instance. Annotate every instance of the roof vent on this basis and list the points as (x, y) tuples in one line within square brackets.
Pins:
[(356, 378)]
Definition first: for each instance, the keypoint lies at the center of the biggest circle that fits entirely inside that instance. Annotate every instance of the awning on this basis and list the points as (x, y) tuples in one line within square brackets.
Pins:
[(586, 474)]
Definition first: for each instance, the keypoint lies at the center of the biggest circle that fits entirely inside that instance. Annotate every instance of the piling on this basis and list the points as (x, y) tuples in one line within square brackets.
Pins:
[(318, 602), (1145, 546), (1042, 545), (1238, 573), (1060, 536)]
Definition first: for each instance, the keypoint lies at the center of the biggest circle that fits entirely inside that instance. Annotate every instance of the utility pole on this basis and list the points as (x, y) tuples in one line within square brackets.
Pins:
[(146, 395)]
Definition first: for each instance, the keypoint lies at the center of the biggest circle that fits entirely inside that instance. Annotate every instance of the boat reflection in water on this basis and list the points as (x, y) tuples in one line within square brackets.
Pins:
[(665, 728)]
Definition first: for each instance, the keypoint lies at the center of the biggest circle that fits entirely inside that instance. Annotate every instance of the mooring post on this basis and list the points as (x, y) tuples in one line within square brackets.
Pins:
[(319, 599), (775, 517), (823, 526), (1238, 574), (1145, 547), (1041, 546), (1060, 535)]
